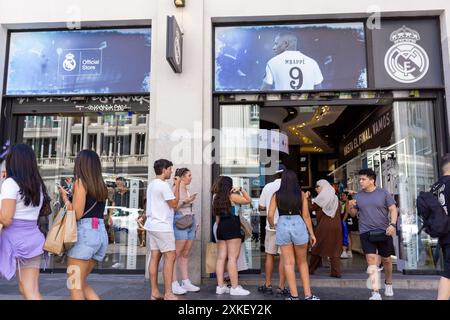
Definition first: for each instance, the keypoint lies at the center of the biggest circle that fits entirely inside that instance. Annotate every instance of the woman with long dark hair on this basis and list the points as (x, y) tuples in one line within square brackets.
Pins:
[(292, 230), (23, 194), (89, 199), (229, 237)]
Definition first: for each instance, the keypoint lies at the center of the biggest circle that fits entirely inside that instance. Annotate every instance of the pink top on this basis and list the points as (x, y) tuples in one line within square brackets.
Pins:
[(184, 194)]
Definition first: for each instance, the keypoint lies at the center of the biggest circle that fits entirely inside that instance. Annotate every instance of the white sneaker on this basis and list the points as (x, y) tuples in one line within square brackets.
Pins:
[(388, 290), (375, 296), (222, 290), (344, 255), (239, 291), (188, 286), (177, 289), (349, 254)]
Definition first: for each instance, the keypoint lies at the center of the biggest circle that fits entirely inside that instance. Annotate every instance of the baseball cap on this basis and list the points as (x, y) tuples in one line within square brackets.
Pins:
[(281, 168)]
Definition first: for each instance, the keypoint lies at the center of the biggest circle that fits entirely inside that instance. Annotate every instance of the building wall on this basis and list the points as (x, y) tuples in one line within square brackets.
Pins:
[(182, 103)]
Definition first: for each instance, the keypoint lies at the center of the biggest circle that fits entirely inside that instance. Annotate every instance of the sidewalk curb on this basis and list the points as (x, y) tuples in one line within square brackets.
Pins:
[(415, 284)]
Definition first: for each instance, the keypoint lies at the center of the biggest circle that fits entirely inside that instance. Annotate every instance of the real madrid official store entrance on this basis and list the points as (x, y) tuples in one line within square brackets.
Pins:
[(77, 94), (328, 99)]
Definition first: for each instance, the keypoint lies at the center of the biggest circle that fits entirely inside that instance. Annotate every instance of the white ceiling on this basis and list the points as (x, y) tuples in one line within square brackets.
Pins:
[(305, 115)]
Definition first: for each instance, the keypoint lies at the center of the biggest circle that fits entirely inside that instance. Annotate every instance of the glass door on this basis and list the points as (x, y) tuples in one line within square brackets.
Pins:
[(240, 160), (120, 139)]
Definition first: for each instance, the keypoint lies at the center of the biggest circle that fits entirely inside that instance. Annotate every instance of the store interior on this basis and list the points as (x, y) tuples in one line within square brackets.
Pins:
[(334, 142)]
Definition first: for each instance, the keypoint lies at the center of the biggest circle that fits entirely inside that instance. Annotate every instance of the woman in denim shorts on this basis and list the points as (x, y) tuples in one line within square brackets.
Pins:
[(184, 239), (89, 199), (292, 231)]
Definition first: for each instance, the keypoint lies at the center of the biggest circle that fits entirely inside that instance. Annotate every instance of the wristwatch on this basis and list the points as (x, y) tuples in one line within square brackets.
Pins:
[(393, 224)]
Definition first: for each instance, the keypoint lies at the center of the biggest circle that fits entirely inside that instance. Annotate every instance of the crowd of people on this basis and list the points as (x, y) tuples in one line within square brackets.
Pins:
[(171, 226)]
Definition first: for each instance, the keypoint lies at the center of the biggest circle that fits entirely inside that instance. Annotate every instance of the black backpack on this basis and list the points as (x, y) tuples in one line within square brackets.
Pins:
[(434, 218)]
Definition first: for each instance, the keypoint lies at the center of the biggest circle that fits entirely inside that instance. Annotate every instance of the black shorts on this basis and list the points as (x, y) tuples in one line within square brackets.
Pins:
[(384, 249), (446, 254), (354, 224), (229, 228)]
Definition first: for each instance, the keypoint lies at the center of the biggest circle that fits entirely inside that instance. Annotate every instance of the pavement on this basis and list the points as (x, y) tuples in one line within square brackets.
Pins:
[(136, 287)]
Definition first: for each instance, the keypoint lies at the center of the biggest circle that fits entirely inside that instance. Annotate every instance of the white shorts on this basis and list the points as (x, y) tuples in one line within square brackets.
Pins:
[(270, 243), (162, 241)]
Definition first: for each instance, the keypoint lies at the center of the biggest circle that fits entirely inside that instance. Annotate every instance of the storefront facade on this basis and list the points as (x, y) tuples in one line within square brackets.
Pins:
[(178, 113)]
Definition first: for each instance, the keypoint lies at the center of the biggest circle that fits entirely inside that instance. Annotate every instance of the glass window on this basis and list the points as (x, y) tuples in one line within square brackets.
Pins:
[(413, 162), (239, 159), (56, 150)]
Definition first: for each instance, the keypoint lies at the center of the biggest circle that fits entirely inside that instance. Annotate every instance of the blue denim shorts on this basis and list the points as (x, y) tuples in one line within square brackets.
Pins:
[(186, 234), (291, 230), (92, 242)]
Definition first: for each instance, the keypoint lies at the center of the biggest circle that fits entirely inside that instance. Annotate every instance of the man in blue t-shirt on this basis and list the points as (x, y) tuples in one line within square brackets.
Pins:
[(377, 224)]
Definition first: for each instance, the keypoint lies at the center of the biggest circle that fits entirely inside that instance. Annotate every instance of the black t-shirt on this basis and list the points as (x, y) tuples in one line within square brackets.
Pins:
[(96, 209), (122, 200), (442, 188)]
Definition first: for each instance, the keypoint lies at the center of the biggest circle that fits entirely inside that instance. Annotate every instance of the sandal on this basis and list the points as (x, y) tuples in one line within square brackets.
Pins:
[(283, 292), (265, 290)]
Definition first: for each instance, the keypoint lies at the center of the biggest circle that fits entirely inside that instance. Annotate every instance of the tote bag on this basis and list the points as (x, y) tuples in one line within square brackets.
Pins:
[(54, 243), (211, 257)]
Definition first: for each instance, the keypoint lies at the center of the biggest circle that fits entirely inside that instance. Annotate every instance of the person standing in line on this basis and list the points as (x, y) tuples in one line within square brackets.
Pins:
[(329, 229), (241, 261), (344, 208), (161, 202), (22, 196), (184, 238), (349, 223), (377, 224), (270, 245), (442, 189), (89, 200), (292, 231), (229, 235)]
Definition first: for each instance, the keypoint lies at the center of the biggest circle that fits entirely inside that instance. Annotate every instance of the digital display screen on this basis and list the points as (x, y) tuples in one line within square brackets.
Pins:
[(294, 57), (79, 62)]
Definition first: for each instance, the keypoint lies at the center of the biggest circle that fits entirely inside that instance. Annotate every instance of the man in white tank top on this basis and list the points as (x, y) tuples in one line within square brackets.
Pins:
[(290, 69)]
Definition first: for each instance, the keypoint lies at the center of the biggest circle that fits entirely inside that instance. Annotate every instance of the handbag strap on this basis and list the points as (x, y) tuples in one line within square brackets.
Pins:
[(90, 209)]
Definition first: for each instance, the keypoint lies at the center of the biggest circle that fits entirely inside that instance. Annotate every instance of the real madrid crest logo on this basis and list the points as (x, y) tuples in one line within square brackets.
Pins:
[(69, 62), (406, 61)]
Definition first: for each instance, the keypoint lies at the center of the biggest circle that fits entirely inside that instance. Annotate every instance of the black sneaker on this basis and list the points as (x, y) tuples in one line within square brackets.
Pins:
[(312, 297), (265, 290), (292, 298)]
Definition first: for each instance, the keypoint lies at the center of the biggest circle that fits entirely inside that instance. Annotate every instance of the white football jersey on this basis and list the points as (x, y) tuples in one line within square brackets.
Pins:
[(292, 70)]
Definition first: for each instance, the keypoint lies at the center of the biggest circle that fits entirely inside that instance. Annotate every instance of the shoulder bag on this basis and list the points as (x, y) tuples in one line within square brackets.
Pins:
[(63, 232)]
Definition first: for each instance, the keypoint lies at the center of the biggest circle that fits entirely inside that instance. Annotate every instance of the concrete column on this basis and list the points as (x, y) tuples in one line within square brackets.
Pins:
[(85, 134), (99, 143), (177, 104)]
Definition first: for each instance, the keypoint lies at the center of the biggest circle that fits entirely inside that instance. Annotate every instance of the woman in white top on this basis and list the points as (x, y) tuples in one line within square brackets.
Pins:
[(21, 243), (184, 233)]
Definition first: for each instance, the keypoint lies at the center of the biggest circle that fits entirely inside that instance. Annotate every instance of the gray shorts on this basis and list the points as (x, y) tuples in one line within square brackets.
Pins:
[(162, 241)]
